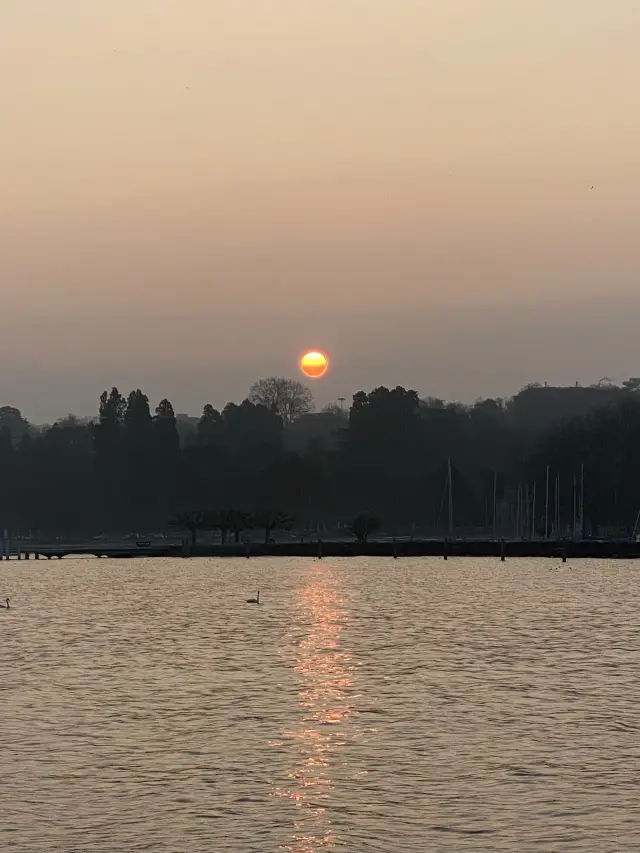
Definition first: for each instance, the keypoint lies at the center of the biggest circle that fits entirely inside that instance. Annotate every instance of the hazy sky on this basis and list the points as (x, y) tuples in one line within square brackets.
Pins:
[(192, 192)]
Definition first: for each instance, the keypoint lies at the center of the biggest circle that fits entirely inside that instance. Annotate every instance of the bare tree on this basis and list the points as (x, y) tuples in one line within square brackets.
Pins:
[(193, 521), (364, 526), (286, 397), (269, 521)]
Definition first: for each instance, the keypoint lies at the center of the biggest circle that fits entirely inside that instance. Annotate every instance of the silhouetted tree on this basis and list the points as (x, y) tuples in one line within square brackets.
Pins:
[(250, 425), (363, 526), (166, 455), (65, 483), (9, 479), (288, 398), (166, 433), (239, 520), (209, 426), (112, 408), (109, 456), (141, 459), (194, 521), (269, 520), (389, 458), (223, 521), (606, 443), (137, 415), (11, 419)]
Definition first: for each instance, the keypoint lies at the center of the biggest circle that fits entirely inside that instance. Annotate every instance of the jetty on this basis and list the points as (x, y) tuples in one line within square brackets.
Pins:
[(400, 547)]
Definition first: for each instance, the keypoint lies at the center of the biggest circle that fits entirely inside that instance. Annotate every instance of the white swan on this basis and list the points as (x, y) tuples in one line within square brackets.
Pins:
[(5, 606)]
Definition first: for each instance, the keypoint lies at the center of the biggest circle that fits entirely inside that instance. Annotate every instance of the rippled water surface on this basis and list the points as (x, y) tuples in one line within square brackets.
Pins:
[(380, 705)]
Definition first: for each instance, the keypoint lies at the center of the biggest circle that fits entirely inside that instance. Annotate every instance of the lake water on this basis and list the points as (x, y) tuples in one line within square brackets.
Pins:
[(366, 705)]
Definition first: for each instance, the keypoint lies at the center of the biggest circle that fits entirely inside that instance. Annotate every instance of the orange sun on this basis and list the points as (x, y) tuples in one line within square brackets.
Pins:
[(314, 364)]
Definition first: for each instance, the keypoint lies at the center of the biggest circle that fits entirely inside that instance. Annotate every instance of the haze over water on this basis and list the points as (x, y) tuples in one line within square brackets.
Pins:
[(410, 705), (442, 195)]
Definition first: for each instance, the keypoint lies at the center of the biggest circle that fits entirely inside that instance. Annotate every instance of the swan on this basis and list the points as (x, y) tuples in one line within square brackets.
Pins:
[(254, 600), (5, 606)]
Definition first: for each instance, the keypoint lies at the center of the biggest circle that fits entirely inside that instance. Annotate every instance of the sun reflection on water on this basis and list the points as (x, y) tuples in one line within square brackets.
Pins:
[(324, 669)]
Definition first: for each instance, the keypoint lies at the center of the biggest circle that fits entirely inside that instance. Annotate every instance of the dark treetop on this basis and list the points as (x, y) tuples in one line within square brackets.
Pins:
[(386, 457)]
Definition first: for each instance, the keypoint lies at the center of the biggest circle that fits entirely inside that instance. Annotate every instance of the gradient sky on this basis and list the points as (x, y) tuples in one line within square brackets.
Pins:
[(192, 192)]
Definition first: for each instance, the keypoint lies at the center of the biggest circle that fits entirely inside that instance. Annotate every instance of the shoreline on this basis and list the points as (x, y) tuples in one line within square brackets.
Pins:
[(400, 548)]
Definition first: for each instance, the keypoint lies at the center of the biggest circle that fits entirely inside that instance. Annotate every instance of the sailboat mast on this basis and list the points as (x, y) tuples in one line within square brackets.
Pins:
[(495, 502), (546, 506), (450, 498), (533, 512), (582, 500)]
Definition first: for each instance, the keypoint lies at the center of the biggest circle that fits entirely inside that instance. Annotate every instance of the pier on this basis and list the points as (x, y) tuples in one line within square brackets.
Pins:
[(501, 550)]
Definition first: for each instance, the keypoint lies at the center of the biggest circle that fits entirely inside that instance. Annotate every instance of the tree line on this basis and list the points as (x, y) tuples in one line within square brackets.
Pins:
[(405, 463)]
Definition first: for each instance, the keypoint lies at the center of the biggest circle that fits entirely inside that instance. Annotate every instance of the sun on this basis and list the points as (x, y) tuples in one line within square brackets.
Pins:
[(314, 364)]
